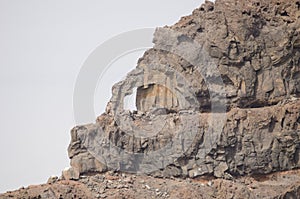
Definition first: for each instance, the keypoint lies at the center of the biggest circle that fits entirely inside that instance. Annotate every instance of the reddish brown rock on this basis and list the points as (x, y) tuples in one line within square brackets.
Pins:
[(278, 185)]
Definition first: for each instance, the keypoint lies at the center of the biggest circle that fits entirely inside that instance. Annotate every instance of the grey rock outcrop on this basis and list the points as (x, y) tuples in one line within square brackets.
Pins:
[(254, 44), (217, 95), (253, 141)]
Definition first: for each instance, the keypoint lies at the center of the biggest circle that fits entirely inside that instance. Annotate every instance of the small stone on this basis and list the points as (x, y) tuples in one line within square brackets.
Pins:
[(70, 174), (120, 186), (210, 183), (128, 180), (52, 179), (219, 171)]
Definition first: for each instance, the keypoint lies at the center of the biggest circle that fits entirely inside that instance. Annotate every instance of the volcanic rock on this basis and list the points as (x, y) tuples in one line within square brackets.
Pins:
[(218, 113), (218, 94)]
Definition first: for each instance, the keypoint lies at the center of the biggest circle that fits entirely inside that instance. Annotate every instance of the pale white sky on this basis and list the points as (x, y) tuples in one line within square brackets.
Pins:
[(43, 44)]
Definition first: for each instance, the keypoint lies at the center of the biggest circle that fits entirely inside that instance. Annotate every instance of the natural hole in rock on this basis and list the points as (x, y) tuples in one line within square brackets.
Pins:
[(130, 101), (115, 72)]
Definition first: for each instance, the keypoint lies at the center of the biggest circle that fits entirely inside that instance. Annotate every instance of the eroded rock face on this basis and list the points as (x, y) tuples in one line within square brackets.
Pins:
[(254, 44), (217, 95), (253, 141), (155, 96)]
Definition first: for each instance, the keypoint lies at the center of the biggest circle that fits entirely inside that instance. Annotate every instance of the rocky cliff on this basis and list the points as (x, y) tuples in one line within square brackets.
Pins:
[(216, 95), (217, 100)]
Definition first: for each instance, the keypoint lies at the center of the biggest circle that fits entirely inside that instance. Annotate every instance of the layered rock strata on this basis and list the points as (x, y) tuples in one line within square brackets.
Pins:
[(218, 94)]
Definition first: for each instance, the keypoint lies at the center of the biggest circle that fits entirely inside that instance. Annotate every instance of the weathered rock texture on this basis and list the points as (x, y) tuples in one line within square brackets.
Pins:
[(217, 95), (255, 45), (283, 185), (155, 96), (252, 141)]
